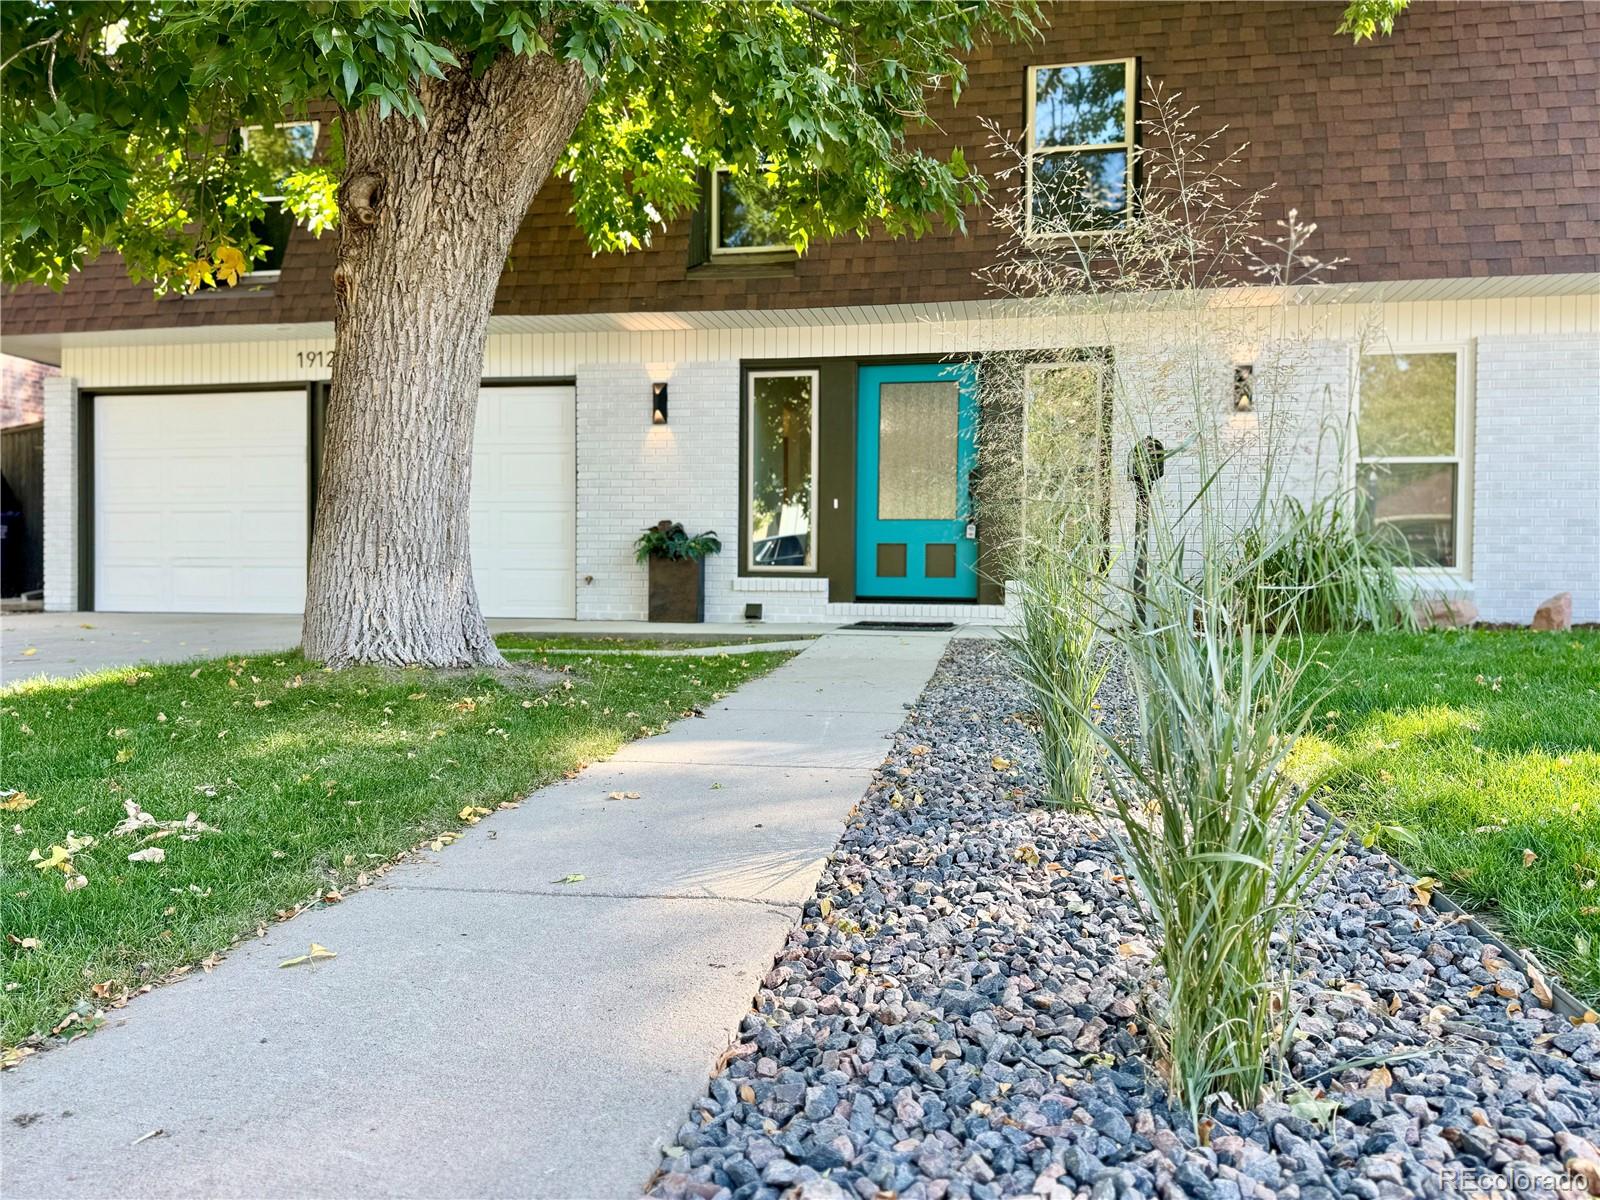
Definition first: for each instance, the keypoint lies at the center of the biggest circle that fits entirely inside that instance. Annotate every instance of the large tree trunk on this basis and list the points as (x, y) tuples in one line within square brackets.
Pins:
[(427, 216)]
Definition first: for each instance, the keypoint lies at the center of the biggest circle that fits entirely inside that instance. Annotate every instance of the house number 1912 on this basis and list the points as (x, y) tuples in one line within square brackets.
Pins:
[(315, 358)]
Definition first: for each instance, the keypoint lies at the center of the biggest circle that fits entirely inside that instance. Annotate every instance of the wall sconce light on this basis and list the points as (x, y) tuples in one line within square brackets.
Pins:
[(658, 404), (1243, 387)]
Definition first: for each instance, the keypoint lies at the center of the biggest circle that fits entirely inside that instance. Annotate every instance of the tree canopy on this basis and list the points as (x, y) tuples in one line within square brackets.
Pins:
[(120, 118)]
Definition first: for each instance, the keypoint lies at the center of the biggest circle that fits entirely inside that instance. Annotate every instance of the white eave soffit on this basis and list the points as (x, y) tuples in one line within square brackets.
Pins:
[(47, 347)]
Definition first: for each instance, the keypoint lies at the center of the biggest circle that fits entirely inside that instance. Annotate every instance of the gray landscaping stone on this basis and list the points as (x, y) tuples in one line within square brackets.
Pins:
[(960, 998)]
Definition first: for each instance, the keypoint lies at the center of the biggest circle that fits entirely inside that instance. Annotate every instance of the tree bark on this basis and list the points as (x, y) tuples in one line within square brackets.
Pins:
[(427, 217)]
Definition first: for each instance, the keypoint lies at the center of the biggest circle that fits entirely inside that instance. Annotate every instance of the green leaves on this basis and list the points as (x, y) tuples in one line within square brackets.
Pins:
[(1367, 18), (119, 118)]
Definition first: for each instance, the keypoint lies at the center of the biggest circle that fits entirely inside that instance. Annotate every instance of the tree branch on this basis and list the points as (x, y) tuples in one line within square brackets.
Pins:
[(820, 16)]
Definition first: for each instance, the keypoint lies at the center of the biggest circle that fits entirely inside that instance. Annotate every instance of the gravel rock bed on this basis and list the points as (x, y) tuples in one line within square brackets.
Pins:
[(960, 1013)]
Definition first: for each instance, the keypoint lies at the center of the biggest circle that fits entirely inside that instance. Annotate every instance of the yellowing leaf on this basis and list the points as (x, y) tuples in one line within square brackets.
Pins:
[(16, 802), (315, 954), (56, 858), (1000, 764), (573, 878), (1026, 853), (197, 272), (230, 265), (1381, 1077), (1528, 858), (30, 652)]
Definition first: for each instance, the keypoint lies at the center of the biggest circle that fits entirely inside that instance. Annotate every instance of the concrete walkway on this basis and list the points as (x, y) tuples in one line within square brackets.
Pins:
[(485, 1031)]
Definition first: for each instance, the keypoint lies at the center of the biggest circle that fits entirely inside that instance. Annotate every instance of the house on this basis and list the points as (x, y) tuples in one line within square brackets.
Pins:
[(806, 414)]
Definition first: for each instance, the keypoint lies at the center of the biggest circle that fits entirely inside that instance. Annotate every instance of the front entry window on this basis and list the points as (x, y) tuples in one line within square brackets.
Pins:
[(782, 429), (918, 435)]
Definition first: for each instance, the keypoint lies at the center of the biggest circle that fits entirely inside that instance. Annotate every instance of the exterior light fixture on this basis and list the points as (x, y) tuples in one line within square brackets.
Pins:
[(1244, 387), (658, 404)]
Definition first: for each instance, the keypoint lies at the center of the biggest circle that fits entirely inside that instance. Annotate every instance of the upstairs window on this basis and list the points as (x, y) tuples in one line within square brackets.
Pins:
[(1411, 439), (284, 149), (741, 217), (1080, 147)]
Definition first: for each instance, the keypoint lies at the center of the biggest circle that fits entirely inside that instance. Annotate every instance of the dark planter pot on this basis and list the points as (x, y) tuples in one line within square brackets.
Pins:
[(678, 589)]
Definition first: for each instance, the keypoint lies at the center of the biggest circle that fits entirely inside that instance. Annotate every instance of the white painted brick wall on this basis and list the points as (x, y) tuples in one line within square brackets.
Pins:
[(61, 493), (1536, 516), (632, 473)]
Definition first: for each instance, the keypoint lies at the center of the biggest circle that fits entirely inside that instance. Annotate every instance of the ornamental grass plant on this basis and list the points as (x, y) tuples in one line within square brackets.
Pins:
[(1252, 545), (1060, 656)]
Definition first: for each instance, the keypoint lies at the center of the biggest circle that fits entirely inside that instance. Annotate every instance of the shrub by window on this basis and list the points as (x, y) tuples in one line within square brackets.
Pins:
[(1412, 447), (1080, 147), (781, 431)]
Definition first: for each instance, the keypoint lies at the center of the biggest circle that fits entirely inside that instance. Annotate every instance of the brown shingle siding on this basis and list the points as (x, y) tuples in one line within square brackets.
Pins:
[(1464, 145)]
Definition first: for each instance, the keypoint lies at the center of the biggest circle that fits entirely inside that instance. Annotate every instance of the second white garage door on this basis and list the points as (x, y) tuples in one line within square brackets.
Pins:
[(200, 502), (524, 502)]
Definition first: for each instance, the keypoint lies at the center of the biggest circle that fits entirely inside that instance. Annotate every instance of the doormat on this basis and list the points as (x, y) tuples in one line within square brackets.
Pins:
[(906, 626)]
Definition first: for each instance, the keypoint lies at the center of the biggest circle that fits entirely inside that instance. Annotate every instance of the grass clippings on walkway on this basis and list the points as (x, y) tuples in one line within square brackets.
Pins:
[(301, 782), (1474, 757)]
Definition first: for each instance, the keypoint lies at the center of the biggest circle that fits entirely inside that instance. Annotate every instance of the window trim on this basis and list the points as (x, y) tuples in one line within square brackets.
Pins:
[(271, 274), (747, 533), (1462, 458), (714, 232), (1031, 151)]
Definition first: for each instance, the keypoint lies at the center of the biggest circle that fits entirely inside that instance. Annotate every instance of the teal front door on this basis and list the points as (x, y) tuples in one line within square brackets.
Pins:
[(916, 441)]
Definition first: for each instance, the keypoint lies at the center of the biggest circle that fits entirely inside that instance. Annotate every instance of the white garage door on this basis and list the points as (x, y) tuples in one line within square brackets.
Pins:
[(200, 502), (524, 502)]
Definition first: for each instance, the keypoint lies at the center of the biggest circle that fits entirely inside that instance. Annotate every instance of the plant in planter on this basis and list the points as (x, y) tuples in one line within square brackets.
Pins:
[(677, 570)]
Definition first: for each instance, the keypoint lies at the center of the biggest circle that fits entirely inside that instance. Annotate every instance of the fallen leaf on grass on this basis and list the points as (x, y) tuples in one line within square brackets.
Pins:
[(315, 954), (574, 878), (16, 801), (1528, 858), (27, 943), (152, 854)]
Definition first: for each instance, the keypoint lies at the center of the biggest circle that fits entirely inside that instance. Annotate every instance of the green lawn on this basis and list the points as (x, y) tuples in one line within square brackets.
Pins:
[(519, 642), (1482, 750), (307, 779)]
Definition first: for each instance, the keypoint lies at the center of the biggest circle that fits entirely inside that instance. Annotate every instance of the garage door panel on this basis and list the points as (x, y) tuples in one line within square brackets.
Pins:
[(524, 502), (200, 502)]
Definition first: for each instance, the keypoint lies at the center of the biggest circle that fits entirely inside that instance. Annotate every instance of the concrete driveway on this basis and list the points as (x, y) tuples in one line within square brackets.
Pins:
[(63, 644)]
